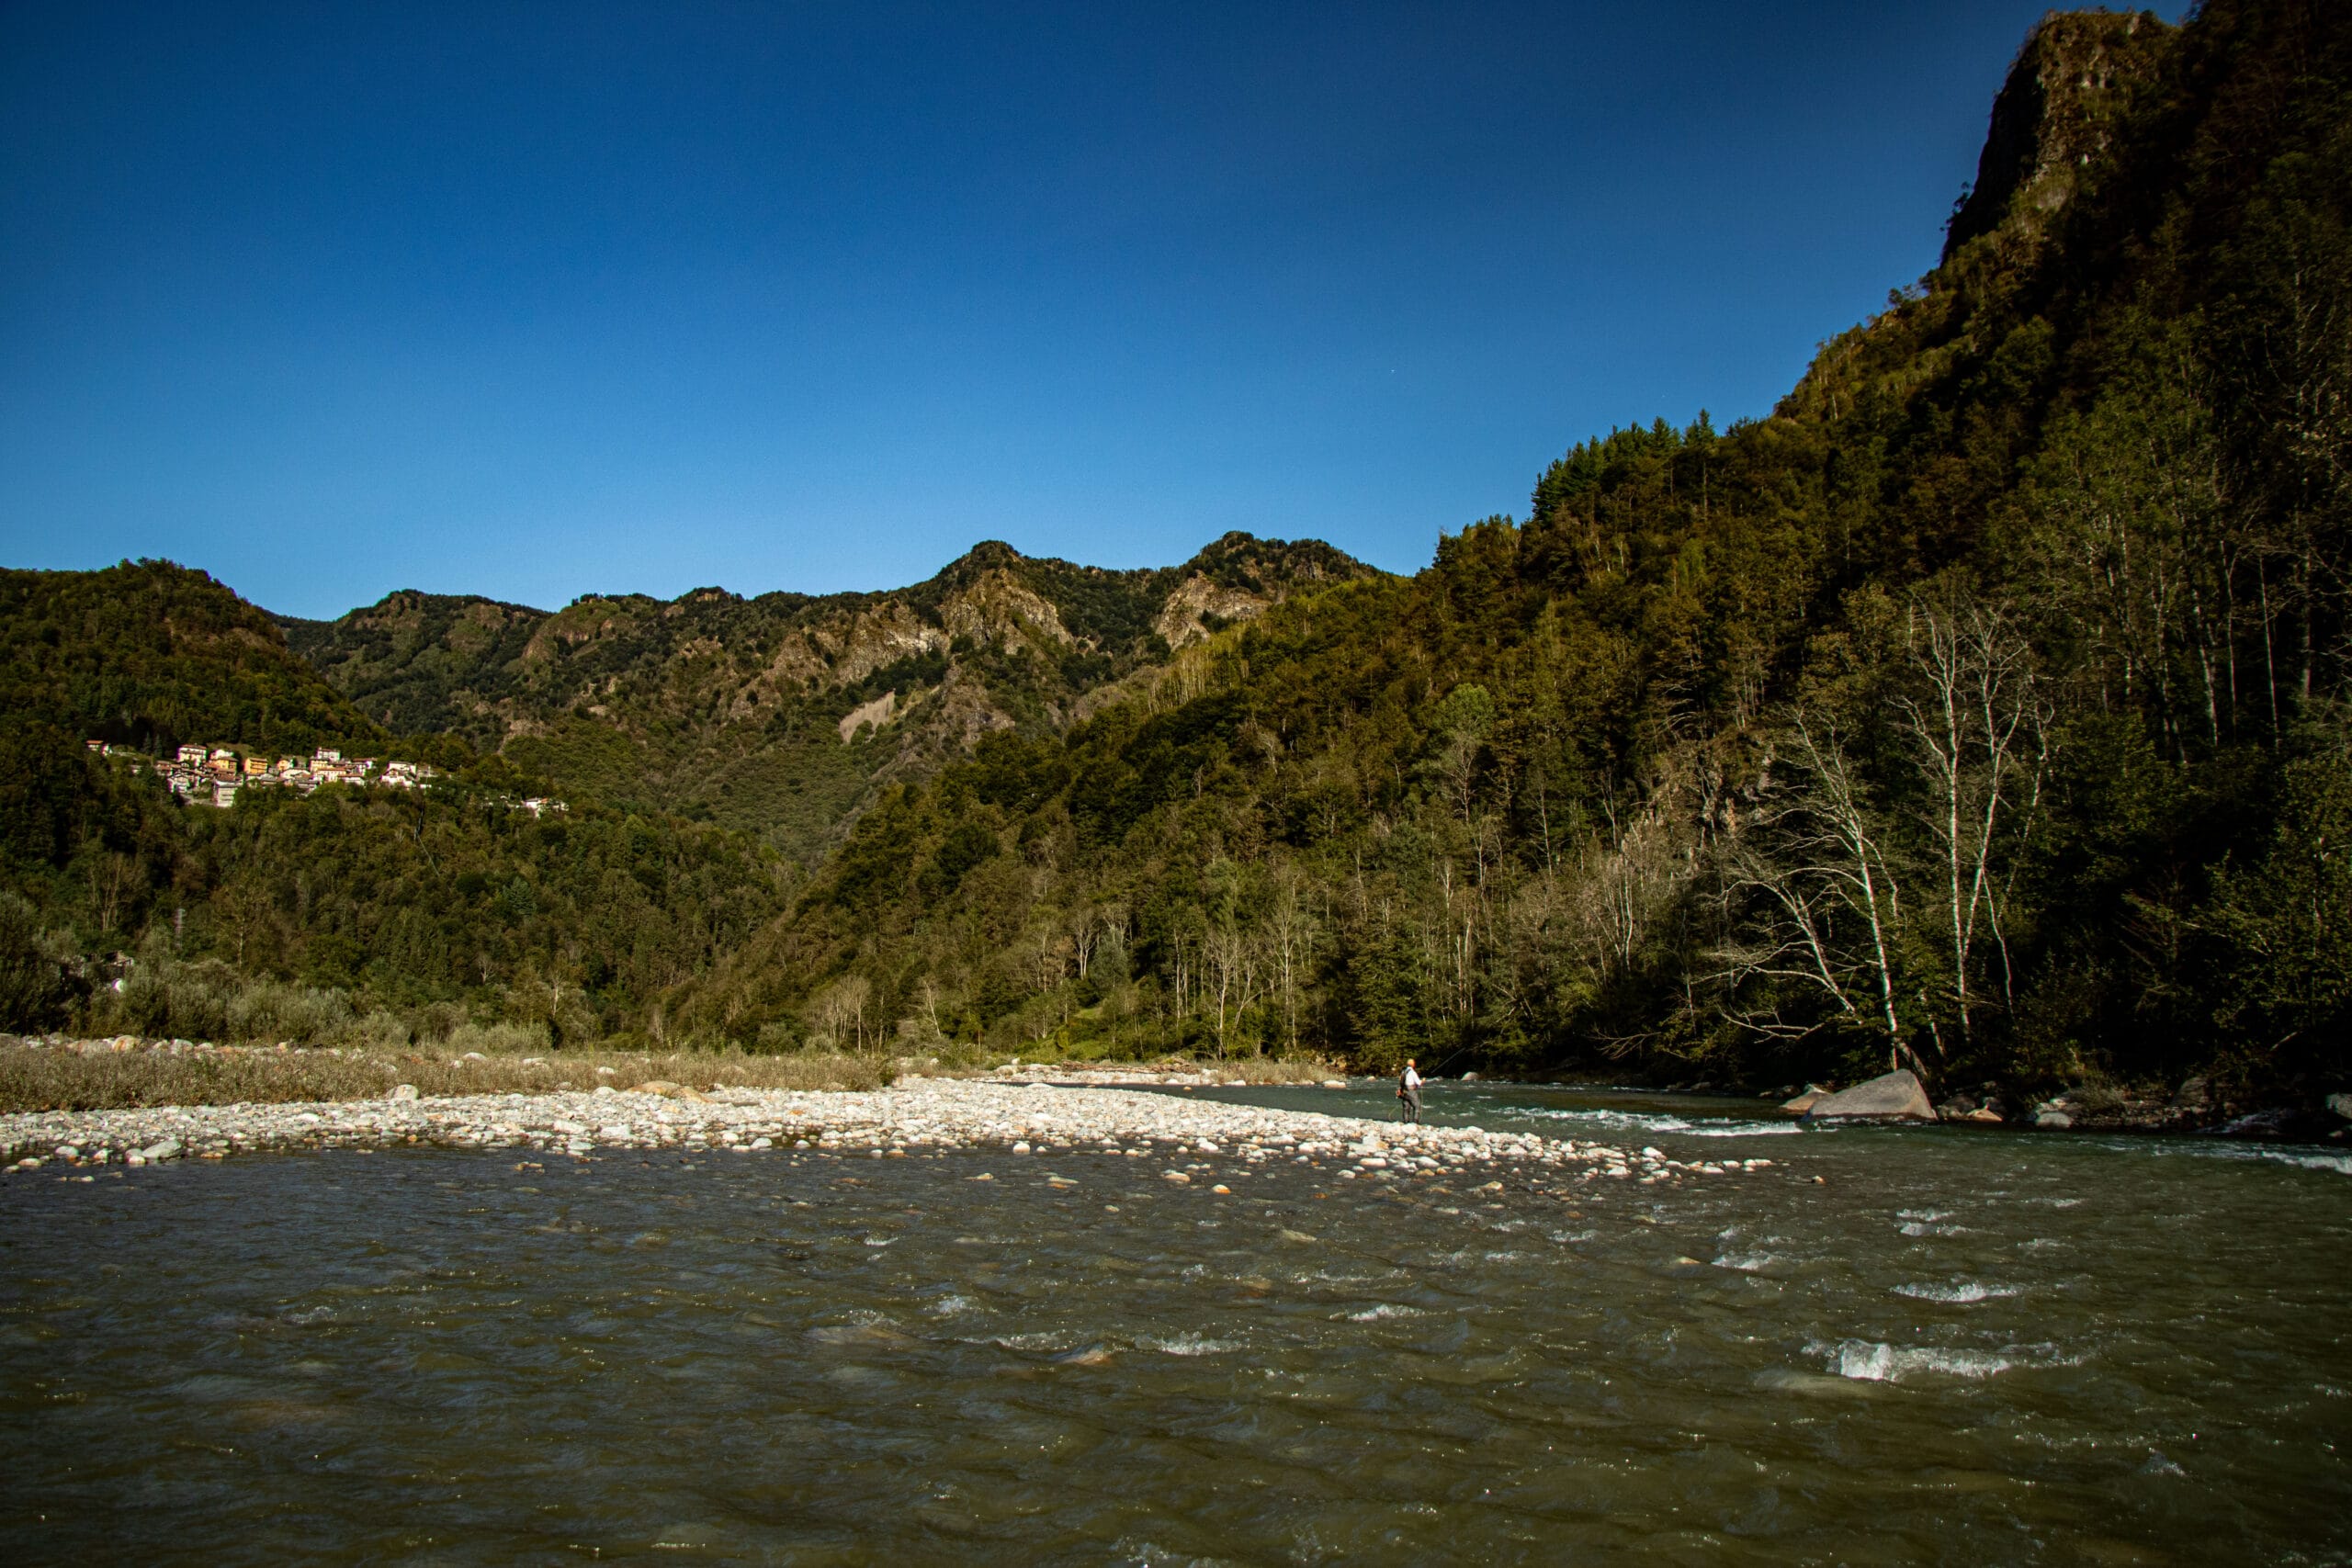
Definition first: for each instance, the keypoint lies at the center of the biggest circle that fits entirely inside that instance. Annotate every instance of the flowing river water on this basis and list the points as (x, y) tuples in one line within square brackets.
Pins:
[(1956, 1346)]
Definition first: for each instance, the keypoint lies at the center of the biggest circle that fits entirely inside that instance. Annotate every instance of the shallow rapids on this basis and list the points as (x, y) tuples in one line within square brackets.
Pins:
[(1954, 1345)]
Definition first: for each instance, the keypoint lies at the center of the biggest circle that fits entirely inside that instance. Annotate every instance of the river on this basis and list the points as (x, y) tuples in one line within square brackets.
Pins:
[(1929, 1345)]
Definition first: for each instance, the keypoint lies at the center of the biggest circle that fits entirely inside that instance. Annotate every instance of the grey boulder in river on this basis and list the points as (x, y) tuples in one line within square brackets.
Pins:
[(1892, 1096)]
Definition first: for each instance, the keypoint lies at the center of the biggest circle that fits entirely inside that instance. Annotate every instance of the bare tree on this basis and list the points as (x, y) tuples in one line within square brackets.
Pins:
[(1047, 954), (1977, 725), (1116, 923), (1822, 892), (111, 879), (841, 1008), (1231, 952), (1291, 933)]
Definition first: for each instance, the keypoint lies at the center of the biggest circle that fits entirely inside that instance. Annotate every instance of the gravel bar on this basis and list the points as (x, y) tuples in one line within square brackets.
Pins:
[(915, 1117)]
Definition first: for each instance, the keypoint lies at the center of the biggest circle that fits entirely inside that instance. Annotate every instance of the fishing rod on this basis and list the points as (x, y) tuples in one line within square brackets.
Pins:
[(1452, 1056)]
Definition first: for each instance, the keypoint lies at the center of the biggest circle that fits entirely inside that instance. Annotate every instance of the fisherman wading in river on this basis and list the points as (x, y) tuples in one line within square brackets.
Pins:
[(1408, 1094)]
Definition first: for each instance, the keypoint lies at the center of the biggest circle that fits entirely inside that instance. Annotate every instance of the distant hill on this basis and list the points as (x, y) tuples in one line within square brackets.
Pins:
[(739, 711), (291, 916), (152, 654), (145, 654)]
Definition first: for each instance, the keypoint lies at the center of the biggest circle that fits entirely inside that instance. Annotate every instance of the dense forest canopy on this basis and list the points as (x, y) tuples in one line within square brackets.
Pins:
[(1982, 710)]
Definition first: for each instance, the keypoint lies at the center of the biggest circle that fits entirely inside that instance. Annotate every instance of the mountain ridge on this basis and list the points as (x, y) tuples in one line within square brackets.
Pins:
[(730, 709)]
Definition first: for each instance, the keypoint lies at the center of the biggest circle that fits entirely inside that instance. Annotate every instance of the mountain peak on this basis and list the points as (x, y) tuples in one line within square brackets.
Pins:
[(2070, 81), (987, 554)]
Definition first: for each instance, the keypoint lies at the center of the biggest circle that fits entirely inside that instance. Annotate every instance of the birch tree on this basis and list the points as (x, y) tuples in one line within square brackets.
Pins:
[(1819, 885), (1976, 723)]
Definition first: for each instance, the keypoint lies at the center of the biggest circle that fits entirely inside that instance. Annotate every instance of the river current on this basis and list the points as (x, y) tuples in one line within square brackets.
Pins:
[(1898, 1345)]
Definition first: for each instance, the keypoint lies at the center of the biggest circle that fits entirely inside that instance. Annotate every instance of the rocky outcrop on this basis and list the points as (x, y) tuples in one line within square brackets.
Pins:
[(873, 640), (964, 712), (588, 619), (1891, 1096), (1182, 617), (997, 610), (797, 661), (2055, 116), (877, 713)]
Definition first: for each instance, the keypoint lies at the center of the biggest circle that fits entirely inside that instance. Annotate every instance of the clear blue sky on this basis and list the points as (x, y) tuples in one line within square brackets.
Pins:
[(537, 299)]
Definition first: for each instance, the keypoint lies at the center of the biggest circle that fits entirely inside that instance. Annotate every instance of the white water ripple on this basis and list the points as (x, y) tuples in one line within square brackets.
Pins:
[(2340, 1164), (1192, 1345), (1959, 1291), (1873, 1361), (1870, 1360), (1637, 1122), (1748, 1262)]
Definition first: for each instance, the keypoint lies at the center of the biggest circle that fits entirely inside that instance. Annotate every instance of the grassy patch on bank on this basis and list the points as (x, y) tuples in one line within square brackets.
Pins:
[(60, 1078)]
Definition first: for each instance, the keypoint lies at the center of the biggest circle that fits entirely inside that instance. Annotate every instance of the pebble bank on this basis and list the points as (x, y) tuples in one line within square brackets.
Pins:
[(915, 1118)]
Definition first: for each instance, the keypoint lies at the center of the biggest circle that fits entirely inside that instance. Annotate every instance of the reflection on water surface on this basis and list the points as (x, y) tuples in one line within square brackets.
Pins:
[(1953, 1347)]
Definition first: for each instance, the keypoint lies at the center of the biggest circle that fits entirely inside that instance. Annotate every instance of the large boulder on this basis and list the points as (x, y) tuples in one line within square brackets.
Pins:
[(1801, 1103), (1891, 1097)]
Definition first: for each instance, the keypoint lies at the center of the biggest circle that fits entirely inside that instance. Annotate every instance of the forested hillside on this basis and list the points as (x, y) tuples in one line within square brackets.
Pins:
[(148, 655), (692, 738), (781, 715), (299, 916), (1981, 709), (152, 654)]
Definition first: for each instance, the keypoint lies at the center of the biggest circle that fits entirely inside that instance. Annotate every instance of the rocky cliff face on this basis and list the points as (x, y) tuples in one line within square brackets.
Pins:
[(2056, 114), (1198, 606), (1000, 611), (2074, 90)]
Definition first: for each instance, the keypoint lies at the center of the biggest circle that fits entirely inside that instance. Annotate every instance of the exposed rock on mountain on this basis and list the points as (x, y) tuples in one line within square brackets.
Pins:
[(999, 612), (877, 713), (782, 714), (1198, 606), (2056, 114)]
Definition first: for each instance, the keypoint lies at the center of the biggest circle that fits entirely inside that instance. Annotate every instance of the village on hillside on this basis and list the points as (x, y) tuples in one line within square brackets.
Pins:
[(212, 775)]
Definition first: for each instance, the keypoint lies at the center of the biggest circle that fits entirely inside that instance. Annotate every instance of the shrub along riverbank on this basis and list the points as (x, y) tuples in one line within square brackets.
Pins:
[(57, 1073), (92, 1075)]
